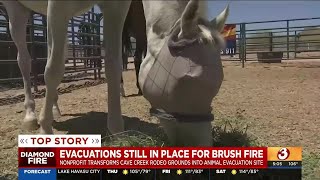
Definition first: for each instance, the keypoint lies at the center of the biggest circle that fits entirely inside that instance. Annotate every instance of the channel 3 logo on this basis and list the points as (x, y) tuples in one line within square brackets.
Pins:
[(283, 154)]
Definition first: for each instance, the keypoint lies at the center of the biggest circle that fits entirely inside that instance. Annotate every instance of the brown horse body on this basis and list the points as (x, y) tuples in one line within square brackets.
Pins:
[(135, 26)]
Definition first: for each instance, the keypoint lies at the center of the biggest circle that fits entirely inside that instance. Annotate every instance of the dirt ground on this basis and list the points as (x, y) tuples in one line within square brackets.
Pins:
[(279, 102)]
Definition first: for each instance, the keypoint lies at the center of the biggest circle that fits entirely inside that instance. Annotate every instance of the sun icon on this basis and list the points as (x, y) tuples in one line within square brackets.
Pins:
[(179, 171), (125, 172), (234, 172)]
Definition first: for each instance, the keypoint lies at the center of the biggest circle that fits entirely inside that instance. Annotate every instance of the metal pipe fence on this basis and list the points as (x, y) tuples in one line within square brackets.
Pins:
[(293, 38), (84, 50)]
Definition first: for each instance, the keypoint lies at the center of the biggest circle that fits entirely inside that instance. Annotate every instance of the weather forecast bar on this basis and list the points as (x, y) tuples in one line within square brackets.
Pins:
[(52, 156)]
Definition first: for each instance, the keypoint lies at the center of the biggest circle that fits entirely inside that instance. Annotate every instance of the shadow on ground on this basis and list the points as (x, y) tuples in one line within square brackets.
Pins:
[(95, 123), (133, 95)]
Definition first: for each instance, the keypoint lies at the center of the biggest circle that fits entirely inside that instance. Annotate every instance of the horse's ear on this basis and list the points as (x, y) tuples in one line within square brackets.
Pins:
[(189, 18), (219, 22)]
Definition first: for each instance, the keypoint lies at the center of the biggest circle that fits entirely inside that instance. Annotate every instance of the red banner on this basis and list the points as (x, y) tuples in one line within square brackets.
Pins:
[(146, 157)]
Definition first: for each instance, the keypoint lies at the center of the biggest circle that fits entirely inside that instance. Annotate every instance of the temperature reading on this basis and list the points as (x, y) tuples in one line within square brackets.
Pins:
[(248, 171), (194, 171), (293, 163), (243, 171), (253, 171), (140, 171)]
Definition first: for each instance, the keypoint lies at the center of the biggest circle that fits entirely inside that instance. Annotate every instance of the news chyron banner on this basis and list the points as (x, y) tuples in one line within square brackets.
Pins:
[(229, 33), (52, 157)]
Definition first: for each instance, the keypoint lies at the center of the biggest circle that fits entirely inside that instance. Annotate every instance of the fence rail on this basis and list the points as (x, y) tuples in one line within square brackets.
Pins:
[(295, 38)]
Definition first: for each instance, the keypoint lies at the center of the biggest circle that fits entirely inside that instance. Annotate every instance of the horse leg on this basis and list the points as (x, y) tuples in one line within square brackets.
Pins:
[(137, 62), (19, 16), (124, 57), (114, 13), (122, 92), (57, 24), (55, 109)]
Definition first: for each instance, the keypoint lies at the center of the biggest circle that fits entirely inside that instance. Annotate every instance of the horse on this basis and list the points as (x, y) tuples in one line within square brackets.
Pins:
[(87, 40), (114, 16), (182, 22), (134, 26), (18, 15), (182, 71)]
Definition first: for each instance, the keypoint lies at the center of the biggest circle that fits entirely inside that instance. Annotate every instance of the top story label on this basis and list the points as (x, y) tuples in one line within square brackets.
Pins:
[(59, 141)]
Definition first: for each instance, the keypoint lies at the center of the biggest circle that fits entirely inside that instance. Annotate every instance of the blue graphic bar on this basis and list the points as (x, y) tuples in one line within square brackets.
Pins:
[(37, 174)]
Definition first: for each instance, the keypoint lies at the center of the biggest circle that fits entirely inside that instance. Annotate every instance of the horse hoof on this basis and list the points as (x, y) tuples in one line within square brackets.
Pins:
[(30, 125), (115, 128), (122, 92), (56, 113), (46, 131)]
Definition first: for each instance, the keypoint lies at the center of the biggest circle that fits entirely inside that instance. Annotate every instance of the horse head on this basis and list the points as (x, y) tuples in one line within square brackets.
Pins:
[(187, 73)]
